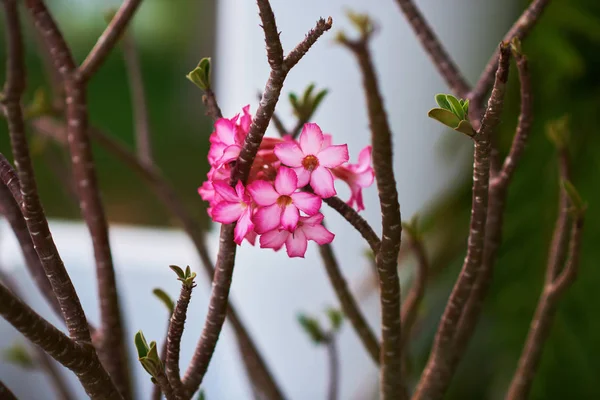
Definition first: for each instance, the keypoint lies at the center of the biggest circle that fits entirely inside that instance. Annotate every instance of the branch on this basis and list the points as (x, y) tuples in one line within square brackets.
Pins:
[(438, 371), (111, 339), (545, 312), (348, 303), (28, 199), (311, 38), (519, 30), (174, 334), (431, 43), (387, 257), (80, 357), (411, 304), (334, 368), (138, 99), (212, 107), (5, 392), (107, 40)]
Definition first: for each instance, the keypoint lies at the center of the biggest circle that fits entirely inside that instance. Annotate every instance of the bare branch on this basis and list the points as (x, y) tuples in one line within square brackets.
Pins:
[(334, 367), (107, 41), (311, 38), (438, 371), (431, 43), (348, 303), (410, 306), (387, 256), (212, 107)]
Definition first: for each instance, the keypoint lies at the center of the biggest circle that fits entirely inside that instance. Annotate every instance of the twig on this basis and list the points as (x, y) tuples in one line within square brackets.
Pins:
[(138, 99), (410, 306), (31, 207), (387, 257), (431, 43), (80, 357), (212, 107), (176, 327), (348, 302), (111, 336), (334, 368), (227, 248), (107, 41), (311, 38), (543, 318), (520, 30), (5, 392), (438, 371)]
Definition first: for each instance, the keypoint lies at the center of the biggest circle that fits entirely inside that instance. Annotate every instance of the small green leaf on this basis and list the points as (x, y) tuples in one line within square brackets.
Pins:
[(188, 272), (178, 271), (558, 132), (362, 22), (444, 116), (455, 107), (294, 101), (336, 317), (18, 355), (165, 299), (515, 47), (201, 75), (465, 127), (312, 328), (441, 101), (307, 94), (318, 99), (201, 395), (577, 204), (141, 345), (465, 107)]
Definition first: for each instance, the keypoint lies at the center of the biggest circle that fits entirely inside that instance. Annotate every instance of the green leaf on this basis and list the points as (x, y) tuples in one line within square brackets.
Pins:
[(165, 299), (201, 75), (318, 99), (577, 204), (362, 22), (141, 345), (178, 271), (455, 107), (336, 317), (465, 127), (312, 328), (307, 94), (444, 116), (294, 101), (18, 355), (465, 107), (441, 101), (201, 395), (558, 132)]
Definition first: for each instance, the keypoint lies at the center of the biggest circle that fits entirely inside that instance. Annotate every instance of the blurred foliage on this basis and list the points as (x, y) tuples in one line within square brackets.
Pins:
[(564, 55), (170, 41)]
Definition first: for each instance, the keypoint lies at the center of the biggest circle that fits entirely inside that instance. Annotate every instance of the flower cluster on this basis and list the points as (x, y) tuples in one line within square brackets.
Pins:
[(288, 180)]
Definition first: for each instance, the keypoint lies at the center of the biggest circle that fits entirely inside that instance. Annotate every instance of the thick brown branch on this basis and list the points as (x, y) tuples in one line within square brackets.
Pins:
[(439, 369), (111, 336), (272, 42), (107, 41), (431, 43), (176, 326), (348, 303), (78, 357), (387, 257), (333, 358), (410, 306), (212, 107), (520, 30), (311, 38)]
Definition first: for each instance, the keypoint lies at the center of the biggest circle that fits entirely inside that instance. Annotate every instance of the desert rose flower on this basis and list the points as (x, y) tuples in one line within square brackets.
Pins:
[(313, 159), (236, 205), (296, 242), (357, 176)]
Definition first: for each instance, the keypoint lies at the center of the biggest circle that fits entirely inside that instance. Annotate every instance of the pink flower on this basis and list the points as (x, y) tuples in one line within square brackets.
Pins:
[(313, 159), (228, 138), (357, 176), (308, 228), (280, 203), (235, 206)]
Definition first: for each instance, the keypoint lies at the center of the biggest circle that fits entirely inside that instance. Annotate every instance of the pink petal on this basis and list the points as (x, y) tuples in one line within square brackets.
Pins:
[(251, 237), (206, 191), (303, 176), (311, 139), (289, 217), (321, 181), (289, 153), (307, 202), (246, 119), (364, 179), (216, 152), (333, 156), (296, 244), (263, 193), (230, 153), (224, 132), (267, 218), (226, 192), (274, 239), (327, 138), (312, 220), (243, 226), (240, 190), (364, 157), (318, 233), (286, 181), (227, 213)]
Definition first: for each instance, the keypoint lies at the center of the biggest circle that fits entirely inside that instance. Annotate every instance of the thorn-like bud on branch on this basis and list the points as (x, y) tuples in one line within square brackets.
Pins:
[(200, 75)]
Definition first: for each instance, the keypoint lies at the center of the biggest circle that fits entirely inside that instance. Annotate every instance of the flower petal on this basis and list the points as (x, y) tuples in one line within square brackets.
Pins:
[(289, 153), (243, 226), (364, 179), (364, 158), (263, 193), (274, 239), (224, 132), (307, 202), (333, 156), (289, 217), (230, 153), (318, 233), (312, 220), (226, 192), (286, 181), (267, 218), (296, 244), (226, 213), (303, 176), (311, 139), (321, 181)]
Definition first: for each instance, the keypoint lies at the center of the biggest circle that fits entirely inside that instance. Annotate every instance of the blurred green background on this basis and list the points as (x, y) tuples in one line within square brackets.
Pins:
[(564, 53)]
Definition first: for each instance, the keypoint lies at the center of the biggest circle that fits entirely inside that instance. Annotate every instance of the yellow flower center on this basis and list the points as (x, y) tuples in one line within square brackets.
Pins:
[(310, 162)]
